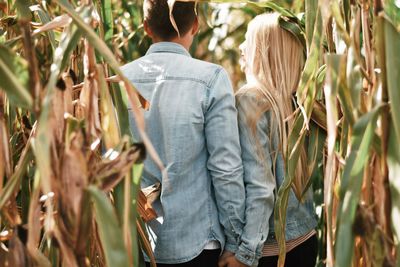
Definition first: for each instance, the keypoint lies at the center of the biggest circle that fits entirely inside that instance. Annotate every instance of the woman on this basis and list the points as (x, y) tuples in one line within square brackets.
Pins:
[(272, 59)]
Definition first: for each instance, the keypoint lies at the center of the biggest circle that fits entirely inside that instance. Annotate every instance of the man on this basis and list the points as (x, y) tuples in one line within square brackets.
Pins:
[(192, 123)]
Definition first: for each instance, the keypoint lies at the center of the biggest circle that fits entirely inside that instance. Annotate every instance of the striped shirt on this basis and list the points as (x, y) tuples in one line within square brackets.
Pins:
[(272, 248)]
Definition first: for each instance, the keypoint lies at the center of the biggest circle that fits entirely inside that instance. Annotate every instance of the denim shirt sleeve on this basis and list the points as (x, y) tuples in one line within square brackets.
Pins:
[(259, 182), (224, 162)]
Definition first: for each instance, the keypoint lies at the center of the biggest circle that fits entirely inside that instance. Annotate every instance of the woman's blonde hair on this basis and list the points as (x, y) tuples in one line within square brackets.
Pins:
[(274, 60)]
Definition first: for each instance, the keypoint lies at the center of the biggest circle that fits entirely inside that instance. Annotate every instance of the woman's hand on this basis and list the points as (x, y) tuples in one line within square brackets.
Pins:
[(228, 259)]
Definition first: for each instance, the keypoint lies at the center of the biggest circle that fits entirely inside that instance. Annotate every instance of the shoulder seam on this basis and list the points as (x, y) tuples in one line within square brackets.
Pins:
[(210, 84), (214, 78)]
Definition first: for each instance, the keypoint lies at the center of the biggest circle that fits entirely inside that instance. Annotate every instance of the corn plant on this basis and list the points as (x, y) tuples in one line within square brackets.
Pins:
[(70, 170), (349, 89)]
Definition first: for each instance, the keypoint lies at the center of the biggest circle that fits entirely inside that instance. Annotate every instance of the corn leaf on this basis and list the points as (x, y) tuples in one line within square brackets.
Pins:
[(394, 181), (311, 66), (271, 5), (42, 145), (392, 11), (306, 94), (14, 77), (23, 9), (334, 70), (14, 182), (45, 18), (91, 36), (109, 123), (108, 25), (392, 48), (351, 185), (120, 102), (109, 229)]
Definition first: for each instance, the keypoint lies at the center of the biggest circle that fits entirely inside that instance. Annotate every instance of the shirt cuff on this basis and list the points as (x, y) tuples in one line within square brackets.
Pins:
[(231, 247), (246, 256)]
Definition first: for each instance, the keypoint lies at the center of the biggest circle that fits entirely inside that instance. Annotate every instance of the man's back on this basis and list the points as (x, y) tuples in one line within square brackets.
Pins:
[(192, 125)]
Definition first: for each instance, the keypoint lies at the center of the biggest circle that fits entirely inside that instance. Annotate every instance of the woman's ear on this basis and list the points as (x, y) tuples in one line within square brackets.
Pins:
[(195, 27)]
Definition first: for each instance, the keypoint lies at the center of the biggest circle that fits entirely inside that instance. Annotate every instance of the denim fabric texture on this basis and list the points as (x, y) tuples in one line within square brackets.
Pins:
[(259, 156), (192, 123)]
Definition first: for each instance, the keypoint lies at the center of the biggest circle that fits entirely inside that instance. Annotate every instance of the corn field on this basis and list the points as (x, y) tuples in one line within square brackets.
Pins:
[(70, 168)]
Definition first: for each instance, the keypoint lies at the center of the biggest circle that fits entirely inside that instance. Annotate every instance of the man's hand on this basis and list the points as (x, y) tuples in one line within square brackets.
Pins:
[(228, 260)]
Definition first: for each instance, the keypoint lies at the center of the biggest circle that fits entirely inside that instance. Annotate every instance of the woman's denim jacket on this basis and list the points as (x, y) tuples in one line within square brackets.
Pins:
[(260, 183)]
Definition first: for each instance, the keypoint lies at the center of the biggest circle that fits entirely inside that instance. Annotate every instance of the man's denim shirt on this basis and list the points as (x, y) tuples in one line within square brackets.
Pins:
[(192, 123), (258, 154)]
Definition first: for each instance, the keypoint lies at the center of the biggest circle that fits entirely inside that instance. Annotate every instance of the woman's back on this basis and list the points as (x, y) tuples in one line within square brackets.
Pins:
[(272, 60)]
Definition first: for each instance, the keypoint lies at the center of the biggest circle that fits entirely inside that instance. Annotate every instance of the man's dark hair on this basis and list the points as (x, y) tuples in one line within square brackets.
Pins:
[(156, 14)]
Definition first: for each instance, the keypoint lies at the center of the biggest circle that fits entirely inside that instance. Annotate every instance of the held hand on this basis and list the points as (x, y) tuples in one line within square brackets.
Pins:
[(228, 260), (223, 259)]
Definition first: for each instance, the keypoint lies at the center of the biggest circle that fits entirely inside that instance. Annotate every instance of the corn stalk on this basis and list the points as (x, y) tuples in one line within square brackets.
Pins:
[(69, 167)]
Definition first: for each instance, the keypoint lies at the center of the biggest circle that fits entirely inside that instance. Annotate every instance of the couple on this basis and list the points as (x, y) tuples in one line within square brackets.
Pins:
[(224, 159)]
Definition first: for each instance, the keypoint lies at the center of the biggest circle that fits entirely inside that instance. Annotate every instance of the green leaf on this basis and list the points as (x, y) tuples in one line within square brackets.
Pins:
[(92, 37), (107, 20), (306, 94), (120, 102), (45, 18), (14, 78), (120, 204), (311, 66), (23, 9), (394, 182), (109, 229), (354, 81), (336, 11), (14, 182), (295, 28), (136, 178), (270, 4), (392, 48), (296, 139), (315, 151), (350, 189), (310, 7), (392, 12), (74, 38)]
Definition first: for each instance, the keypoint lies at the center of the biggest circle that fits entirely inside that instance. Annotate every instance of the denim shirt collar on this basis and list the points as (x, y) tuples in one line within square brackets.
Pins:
[(167, 47)]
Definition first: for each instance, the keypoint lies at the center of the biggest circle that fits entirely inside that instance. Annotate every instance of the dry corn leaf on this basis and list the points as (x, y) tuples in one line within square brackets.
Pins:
[(89, 95), (57, 116), (152, 192), (5, 167), (89, 105), (35, 228), (110, 173), (144, 208), (74, 174), (58, 22), (17, 252), (171, 4), (4, 155), (146, 244), (68, 93), (79, 110), (68, 258)]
